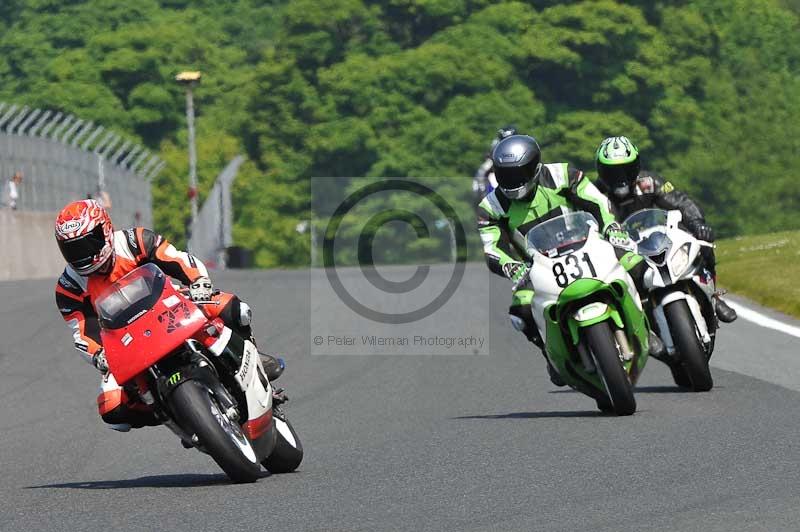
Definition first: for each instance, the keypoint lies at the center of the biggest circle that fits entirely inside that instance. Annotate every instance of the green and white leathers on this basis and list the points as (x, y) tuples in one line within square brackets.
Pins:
[(503, 223)]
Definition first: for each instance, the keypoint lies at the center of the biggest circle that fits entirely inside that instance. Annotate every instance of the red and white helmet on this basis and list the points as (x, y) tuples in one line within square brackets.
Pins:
[(85, 236)]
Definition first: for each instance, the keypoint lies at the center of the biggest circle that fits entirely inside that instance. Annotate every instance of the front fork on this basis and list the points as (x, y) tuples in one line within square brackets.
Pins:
[(701, 324), (166, 377), (626, 352)]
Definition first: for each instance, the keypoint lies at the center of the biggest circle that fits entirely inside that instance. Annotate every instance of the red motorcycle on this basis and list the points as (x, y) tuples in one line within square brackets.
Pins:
[(203, 380)]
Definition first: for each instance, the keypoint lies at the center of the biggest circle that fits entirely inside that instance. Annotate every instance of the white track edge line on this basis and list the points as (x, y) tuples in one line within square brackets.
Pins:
[(764, 321)]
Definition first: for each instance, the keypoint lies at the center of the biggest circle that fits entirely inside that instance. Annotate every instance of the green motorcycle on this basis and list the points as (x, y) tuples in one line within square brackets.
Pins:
[(585, 303)]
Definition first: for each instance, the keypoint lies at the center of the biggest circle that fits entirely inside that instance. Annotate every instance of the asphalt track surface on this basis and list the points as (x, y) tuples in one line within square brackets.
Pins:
[(408, 443)]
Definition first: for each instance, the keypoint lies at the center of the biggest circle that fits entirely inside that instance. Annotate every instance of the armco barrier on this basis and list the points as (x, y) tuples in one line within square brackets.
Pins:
[(27, 247)]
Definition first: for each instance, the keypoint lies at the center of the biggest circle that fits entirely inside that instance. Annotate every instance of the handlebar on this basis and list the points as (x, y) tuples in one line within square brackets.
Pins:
[(185, 292)]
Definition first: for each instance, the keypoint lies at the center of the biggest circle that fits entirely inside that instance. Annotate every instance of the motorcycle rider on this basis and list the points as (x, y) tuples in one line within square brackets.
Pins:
[(97, 256), (484, 180), (527, 194), (630, 189)]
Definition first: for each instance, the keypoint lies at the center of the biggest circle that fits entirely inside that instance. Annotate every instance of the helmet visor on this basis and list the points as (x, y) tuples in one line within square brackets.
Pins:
[(619, 174), (511, 178), (80, 251)]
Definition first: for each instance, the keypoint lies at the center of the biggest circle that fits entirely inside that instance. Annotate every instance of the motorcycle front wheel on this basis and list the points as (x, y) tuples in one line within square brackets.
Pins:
[(690, 353), (605, 353), (198, 412)]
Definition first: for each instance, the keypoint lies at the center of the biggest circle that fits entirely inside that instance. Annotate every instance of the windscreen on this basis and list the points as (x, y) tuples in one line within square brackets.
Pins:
[(566, 233), (128, 298), (645, 219), (648, 228)]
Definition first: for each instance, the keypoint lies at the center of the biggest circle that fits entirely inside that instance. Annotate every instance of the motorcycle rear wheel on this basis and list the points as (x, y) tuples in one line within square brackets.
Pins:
[(604, 351), (690, 353), (197, 411), (288, 451)]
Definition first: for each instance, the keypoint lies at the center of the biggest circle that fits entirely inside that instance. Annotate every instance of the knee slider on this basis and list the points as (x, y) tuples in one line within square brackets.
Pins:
[(517, 322)]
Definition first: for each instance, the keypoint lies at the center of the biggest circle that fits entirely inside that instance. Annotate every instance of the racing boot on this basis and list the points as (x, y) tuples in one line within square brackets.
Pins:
[(273, 366), (724, 312), (533, 336), (531, 332), (239, 317), (536, 340)]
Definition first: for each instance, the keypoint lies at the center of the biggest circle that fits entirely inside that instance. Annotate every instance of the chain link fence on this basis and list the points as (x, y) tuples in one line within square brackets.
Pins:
[(59, 158)]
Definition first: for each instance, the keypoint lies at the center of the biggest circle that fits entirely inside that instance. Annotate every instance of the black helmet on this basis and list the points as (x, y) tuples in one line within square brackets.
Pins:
[(618, 165), (517, 160)]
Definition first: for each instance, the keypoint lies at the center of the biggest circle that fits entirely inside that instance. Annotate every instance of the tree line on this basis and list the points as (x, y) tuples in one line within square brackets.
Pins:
[(710, 91)]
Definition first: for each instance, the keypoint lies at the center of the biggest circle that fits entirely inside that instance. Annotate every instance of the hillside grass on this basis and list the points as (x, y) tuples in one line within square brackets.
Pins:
[(763, 268)]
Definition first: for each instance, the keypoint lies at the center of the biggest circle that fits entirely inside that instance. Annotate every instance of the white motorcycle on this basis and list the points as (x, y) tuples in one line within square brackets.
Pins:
[(681, 290)]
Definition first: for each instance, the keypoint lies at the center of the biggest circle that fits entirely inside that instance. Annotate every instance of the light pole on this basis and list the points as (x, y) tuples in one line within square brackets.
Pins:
[(190, 80)]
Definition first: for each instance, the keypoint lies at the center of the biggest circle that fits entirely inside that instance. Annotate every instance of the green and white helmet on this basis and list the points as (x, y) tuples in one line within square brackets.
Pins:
[(618, 165)]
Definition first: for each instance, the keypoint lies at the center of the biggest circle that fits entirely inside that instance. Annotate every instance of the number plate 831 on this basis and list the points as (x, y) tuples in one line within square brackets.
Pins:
[(573, 267)]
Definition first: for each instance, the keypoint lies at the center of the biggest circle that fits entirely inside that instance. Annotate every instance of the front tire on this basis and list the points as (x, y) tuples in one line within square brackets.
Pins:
[(288, 452), (679, 375), (197, 411), (691, 354), (605, 353)]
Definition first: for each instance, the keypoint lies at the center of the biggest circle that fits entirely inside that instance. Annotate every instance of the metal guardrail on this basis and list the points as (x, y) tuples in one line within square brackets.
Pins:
[(63, 158), (212, 230)]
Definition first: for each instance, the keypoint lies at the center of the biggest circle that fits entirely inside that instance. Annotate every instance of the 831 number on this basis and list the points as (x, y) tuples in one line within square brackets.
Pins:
[(571, 269)]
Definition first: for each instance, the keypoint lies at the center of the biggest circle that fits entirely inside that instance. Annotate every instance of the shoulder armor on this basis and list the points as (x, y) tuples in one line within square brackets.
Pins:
[(495, 204), (72, 282), (132, 241), (558, 173)]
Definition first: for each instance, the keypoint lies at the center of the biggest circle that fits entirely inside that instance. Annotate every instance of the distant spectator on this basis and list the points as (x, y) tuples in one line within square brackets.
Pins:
[(13, 189)]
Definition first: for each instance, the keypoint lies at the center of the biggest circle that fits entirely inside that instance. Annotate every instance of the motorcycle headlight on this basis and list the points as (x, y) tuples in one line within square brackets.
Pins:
[(680, 260)]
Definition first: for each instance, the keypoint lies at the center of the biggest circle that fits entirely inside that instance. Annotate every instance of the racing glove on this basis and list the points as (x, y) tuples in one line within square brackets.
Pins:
[(201, 289), (515, 271), (99, 361), (617, 236), (701, 231)]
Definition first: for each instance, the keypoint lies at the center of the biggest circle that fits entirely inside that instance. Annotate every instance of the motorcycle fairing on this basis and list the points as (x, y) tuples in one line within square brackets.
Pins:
[(152, 335), (563, 330)]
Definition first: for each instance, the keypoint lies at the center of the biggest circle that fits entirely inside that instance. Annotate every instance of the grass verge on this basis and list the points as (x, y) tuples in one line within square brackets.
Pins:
[(764, 268)]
